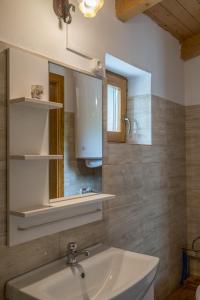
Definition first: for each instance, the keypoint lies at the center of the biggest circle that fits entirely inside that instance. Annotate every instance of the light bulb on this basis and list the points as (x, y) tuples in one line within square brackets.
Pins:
[(89, 8)]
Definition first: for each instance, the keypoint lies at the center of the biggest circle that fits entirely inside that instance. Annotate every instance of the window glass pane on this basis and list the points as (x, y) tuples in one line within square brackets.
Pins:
[(113, 109)]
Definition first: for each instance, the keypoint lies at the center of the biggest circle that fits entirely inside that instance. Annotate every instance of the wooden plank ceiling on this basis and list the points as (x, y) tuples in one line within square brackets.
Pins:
[(180, 17), (126, 9)]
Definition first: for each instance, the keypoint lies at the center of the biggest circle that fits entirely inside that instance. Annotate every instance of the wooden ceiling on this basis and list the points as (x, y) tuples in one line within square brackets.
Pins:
[(180, 17)]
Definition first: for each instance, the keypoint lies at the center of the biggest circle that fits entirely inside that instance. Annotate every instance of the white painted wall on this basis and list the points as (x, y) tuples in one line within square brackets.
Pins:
[(139, 42), (192, 81), (139, 81), (140, 85), (33, 25)]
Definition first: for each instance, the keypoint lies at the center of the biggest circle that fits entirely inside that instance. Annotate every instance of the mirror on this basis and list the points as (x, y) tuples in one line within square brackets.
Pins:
[(75, 132), (113, 109), (116, 107)]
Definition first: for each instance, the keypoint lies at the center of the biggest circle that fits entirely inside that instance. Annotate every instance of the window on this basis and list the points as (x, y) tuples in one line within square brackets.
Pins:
[(116, 107)]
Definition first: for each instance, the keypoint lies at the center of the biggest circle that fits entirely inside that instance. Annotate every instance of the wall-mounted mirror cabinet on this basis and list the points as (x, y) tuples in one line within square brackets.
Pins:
[(54, 147)]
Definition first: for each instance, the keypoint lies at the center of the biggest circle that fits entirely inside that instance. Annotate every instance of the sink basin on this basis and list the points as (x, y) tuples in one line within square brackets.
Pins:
[(110, 273)]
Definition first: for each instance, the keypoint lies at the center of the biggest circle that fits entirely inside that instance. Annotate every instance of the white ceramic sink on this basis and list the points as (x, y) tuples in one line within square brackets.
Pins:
[(109, 274)]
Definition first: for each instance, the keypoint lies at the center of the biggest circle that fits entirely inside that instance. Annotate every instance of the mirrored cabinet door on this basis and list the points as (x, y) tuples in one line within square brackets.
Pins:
[(76, 132)]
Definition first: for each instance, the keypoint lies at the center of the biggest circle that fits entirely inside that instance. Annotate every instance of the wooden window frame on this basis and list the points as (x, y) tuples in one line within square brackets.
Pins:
[(120, 82)]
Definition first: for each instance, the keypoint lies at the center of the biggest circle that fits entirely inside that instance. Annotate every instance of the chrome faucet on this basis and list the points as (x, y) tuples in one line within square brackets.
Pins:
[(73, 253)]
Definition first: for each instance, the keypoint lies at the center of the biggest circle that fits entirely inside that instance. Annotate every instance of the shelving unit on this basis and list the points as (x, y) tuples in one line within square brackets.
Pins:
[(28, 121), (36, 157), (31, 214), (36, 103)]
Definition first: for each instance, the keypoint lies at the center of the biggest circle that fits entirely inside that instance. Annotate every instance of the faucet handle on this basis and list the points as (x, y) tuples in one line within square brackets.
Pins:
[(72, 247)]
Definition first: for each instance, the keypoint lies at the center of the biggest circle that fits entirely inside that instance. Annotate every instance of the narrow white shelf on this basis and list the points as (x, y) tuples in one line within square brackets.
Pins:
[(36, 103), (32, 212), (57, 205), (79, 196), (36, 157)]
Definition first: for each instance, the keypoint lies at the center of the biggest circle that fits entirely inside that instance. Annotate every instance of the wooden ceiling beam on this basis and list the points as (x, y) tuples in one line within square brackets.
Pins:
[(190, 47), (127, 9)]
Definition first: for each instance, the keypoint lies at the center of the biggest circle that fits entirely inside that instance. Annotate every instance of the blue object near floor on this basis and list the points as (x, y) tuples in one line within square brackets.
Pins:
[(185, 266)]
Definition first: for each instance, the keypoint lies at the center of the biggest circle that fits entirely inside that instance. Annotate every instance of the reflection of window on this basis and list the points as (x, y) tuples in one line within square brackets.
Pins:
[(116, 107)]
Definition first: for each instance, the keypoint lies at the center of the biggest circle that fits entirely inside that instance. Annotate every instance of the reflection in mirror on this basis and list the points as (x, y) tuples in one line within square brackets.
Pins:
[(114, 108), (76, 132)]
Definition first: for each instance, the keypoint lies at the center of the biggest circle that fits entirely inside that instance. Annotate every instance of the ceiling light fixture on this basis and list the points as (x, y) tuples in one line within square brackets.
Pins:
[(89, 8)]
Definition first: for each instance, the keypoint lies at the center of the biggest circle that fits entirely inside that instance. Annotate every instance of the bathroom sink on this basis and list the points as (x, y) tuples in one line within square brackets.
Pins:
[(110, 273)]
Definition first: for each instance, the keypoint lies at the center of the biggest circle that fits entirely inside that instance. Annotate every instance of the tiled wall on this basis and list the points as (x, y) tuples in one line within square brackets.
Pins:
[(76, 175), (139, 114), (193, 179), (148, 215)]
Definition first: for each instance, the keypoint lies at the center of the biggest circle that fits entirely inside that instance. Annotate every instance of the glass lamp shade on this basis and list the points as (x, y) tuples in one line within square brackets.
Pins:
[(89, 8)]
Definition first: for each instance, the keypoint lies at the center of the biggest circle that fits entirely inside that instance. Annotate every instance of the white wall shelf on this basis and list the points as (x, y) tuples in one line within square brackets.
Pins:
[(58, 216), (36, 103), (36, 157), (60, 203)]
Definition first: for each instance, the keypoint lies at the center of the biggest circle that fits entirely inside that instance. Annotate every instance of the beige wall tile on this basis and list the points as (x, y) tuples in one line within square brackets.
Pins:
[(193, 178)]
